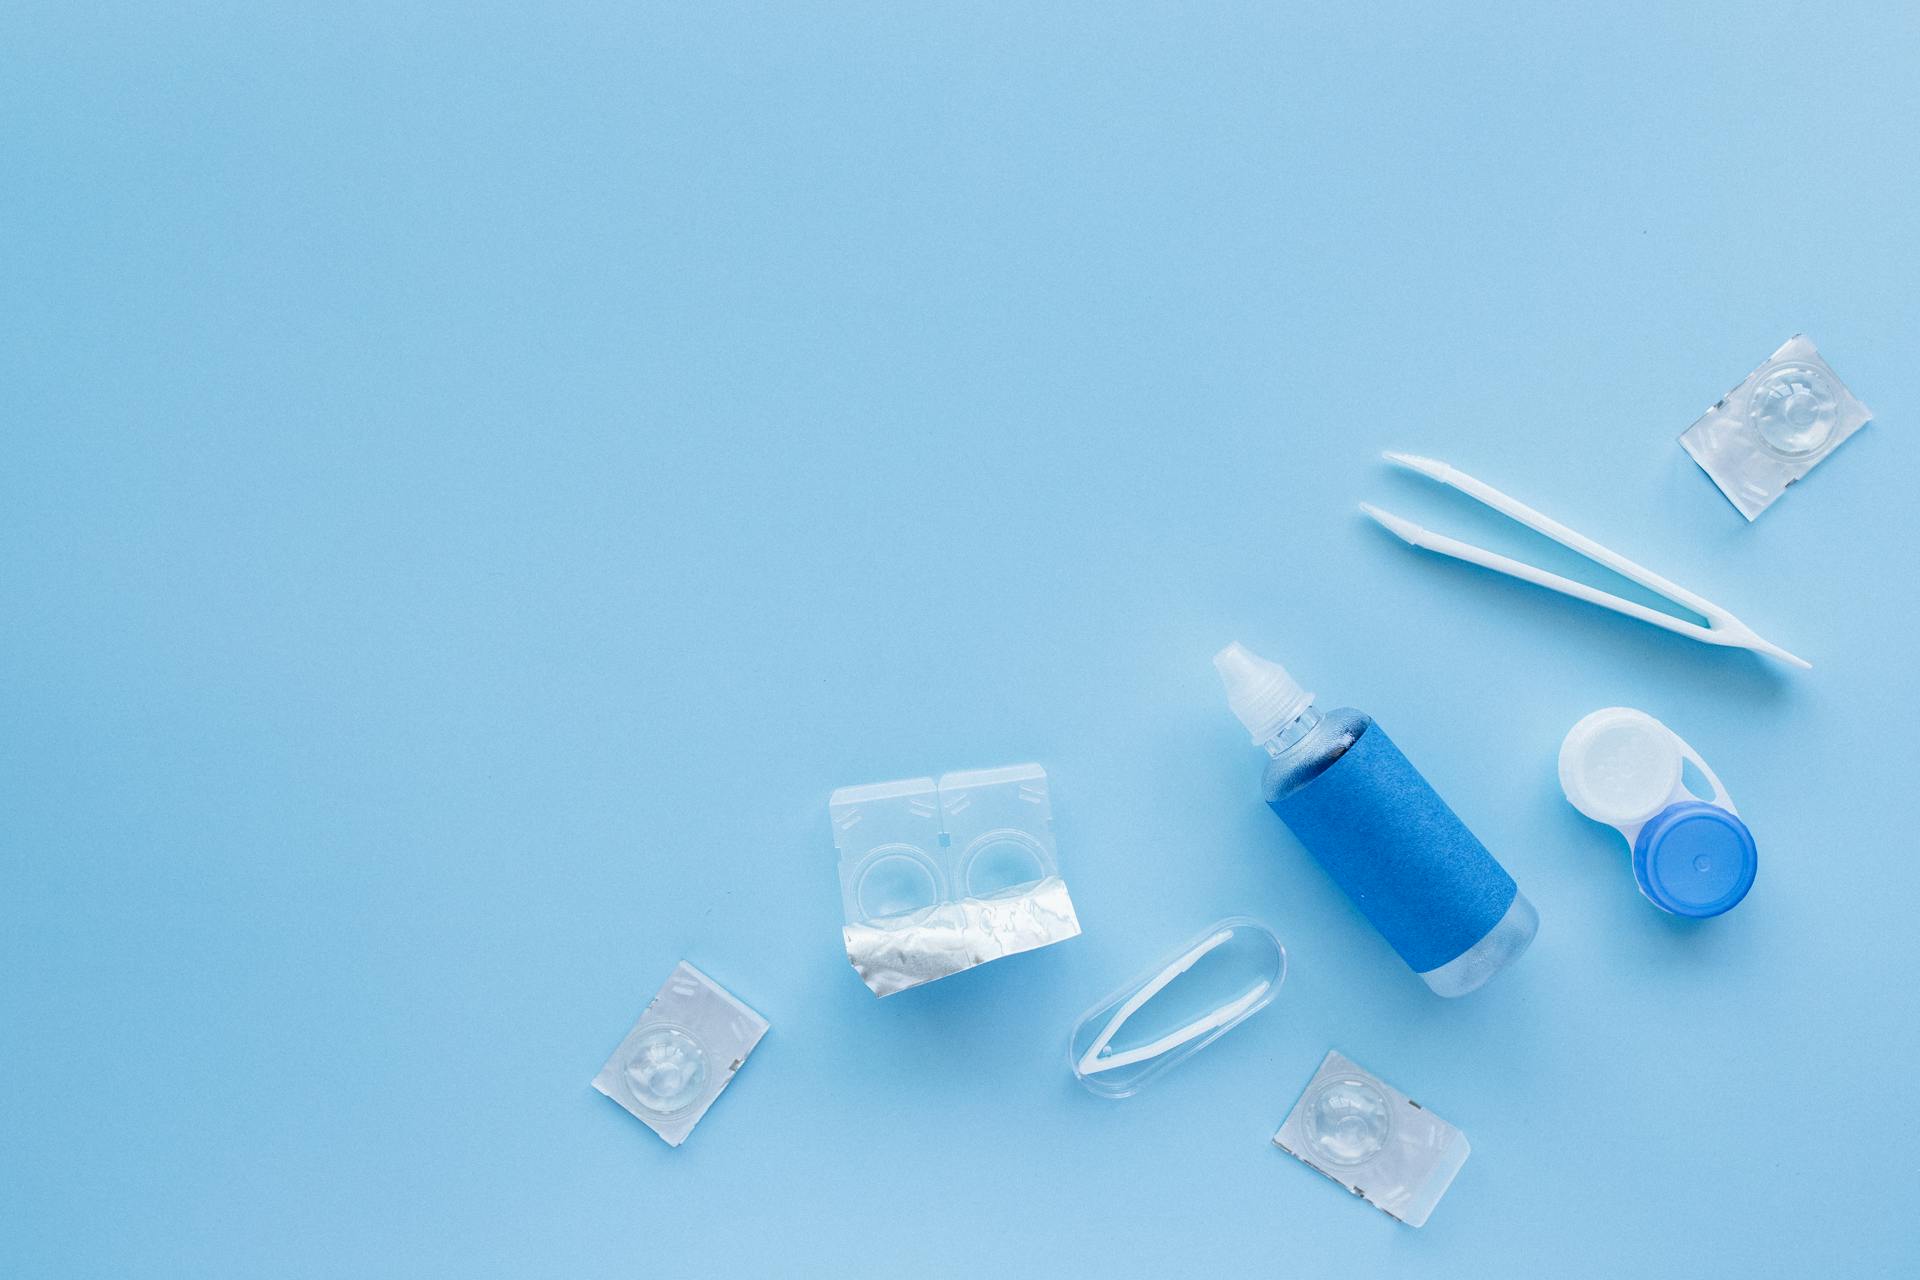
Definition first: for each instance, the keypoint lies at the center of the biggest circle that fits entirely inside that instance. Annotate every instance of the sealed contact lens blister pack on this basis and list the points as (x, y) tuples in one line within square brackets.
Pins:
[(939, 876), (1373, 1140), (1776, 426), (684, 1050)]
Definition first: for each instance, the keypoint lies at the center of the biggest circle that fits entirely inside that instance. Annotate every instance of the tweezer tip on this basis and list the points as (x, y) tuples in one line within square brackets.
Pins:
[(1414, 462), (1772, 650), (1405, 530)]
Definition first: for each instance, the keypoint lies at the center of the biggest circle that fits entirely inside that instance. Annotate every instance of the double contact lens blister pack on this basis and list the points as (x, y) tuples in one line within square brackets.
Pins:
[(939, 876), (1774, 427)]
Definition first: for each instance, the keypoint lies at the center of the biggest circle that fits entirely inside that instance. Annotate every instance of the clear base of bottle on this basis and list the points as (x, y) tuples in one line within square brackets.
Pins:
[(1503, 944)]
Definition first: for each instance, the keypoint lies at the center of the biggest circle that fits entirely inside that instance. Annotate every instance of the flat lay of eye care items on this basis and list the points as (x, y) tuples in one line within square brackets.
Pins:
[(959, 640), (939, 876)]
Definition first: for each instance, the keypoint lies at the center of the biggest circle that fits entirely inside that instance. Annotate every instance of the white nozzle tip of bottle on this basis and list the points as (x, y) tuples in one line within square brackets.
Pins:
[(1261, 693)]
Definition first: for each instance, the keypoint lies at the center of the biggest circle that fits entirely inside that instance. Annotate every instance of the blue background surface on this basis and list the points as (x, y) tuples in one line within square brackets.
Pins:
[(473, 478)]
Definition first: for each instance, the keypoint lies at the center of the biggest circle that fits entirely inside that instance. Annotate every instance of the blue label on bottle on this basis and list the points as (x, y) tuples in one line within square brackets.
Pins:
[(1393, 845)]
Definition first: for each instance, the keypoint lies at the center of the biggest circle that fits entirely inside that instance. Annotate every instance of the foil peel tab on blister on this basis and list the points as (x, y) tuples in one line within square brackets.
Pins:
[(955, 936)]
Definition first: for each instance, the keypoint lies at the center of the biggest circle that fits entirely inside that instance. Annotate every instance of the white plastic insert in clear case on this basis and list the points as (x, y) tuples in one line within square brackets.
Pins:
[(1373, 1140), (1216, 980), (1775, 426), (937, 877)]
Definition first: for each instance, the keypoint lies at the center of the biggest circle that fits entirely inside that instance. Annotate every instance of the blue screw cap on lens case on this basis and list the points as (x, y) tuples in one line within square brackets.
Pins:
[(1695, 859)]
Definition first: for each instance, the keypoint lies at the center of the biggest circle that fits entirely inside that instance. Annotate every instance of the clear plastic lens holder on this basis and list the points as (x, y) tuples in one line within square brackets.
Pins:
[(892, 864)]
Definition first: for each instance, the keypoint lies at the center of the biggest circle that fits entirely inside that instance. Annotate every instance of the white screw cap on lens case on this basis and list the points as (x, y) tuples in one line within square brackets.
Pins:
[(1373, 1140), (1775, 426), (684, 1050)]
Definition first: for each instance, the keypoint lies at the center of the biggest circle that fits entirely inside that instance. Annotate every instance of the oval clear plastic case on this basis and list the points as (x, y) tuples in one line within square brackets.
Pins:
[(1218, 979)]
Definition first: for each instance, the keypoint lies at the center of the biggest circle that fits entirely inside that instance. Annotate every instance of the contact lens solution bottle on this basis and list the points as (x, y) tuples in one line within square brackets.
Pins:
[(1377, 826)]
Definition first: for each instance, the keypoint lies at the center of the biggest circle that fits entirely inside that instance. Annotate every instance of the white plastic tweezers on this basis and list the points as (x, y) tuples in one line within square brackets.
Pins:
[(1721, 628)]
